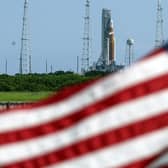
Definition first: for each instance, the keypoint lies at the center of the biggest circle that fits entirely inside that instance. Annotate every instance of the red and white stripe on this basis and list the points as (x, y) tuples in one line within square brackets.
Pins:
[(118, 121)]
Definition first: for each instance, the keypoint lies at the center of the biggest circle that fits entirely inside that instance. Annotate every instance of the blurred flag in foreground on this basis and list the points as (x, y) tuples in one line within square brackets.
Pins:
[(118, 121)]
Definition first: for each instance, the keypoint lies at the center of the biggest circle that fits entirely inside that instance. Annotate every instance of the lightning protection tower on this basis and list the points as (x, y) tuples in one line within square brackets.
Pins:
[(159, 39), (25, 53), (86, 53)]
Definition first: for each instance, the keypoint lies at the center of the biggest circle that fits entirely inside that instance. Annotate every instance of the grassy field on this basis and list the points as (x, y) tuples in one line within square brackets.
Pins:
[(22, 96)]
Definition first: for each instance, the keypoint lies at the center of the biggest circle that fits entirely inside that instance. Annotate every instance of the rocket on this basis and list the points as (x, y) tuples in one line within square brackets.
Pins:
[(111, 43)]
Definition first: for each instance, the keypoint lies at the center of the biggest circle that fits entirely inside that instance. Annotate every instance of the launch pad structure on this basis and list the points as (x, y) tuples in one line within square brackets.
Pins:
[(107, 60)]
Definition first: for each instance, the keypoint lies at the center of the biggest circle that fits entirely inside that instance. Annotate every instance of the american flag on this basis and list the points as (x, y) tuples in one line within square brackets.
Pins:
[(117, 121)]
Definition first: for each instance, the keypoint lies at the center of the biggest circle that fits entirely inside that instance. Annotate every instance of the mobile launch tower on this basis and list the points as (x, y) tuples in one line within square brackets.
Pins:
[(106, 61), (108, 40)]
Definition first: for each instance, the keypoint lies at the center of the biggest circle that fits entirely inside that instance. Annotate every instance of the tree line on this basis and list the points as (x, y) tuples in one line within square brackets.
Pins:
[(44, 82)]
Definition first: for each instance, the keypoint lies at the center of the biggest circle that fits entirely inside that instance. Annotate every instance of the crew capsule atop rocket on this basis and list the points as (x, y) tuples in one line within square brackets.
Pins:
[(111, 43)]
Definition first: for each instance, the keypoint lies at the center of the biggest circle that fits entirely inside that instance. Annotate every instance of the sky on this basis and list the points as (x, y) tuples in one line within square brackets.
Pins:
[(56, 28)]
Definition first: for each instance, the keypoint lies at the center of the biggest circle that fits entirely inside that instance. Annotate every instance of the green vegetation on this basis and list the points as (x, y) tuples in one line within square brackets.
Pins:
[(32, 87), (39, 82), (22, 96)]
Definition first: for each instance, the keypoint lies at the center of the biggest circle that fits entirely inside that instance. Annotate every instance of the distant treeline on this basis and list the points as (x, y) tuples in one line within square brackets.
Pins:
[(44, 82)]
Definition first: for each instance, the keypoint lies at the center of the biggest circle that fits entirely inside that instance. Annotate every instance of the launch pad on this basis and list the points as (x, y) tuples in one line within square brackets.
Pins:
[(107, 60)]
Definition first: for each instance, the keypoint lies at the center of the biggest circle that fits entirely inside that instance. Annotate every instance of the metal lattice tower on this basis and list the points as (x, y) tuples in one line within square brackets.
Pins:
[(86, 53), (25, 53), (159, 25)]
